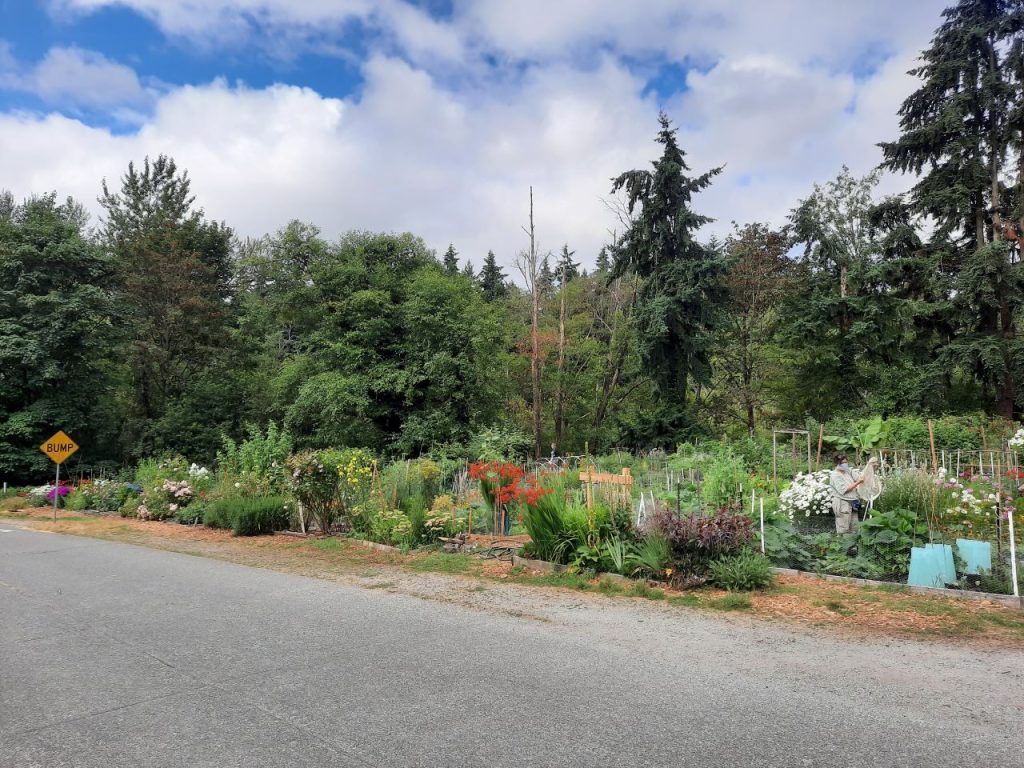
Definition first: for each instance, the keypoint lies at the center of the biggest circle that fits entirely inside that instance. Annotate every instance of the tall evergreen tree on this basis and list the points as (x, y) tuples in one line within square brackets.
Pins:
[(174, 281), (566, 270), (604, 264), (961, 133), (682, 278), (546, 277), (451, 260), (467, 271), (492, 279)]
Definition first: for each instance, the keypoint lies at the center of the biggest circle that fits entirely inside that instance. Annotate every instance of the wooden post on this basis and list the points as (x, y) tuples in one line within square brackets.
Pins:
[(821, 438), (931, 438), (998, 483), (775, 462)]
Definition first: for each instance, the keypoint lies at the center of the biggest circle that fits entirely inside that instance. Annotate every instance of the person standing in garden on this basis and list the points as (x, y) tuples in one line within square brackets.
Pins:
[(844, 482)]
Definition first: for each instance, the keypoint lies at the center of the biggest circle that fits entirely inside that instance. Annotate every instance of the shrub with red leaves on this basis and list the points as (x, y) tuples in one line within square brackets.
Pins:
[(697, 540)]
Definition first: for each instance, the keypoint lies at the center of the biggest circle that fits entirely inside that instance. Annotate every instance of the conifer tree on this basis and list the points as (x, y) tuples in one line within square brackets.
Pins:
[(492, 279), (961, 133), (546, 277), (682, 283), (451, 260), (567, 269)]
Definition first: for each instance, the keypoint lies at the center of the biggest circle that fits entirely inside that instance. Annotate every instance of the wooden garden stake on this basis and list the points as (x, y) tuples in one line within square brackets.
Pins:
[(775, 461)]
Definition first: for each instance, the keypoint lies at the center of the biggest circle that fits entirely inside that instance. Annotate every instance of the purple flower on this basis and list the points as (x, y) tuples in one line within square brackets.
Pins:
[(61, 491)]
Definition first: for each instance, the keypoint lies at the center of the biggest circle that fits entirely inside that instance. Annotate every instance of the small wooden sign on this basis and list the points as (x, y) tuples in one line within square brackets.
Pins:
[(59, 448)]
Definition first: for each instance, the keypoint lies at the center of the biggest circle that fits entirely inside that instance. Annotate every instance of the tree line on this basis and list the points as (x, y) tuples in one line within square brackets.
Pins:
[(157, 329)]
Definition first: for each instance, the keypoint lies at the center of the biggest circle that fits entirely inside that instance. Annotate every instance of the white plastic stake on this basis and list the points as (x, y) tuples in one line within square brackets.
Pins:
[(1013, 553), (762, 531)]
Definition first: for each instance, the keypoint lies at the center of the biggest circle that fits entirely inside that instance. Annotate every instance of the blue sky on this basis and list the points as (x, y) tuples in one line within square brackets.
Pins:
[(436, 117)]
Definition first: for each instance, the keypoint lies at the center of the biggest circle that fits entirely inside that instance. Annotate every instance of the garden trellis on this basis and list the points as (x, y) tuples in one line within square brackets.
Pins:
[(793, 433)]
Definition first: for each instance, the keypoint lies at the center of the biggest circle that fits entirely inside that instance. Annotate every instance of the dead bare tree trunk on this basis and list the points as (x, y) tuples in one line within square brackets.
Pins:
[(527, 264)]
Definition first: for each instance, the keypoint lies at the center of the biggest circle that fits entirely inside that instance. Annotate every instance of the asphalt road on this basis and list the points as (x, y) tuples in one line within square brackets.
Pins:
[(114, 655)]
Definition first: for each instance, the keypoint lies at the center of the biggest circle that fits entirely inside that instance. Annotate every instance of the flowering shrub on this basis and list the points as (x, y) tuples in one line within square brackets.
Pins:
[(60, 491), (103, 495), (498, 480), (355, 473), (198, 473), (503, 483), (808, 494), (1017, 441), (179, 490), (37, 496), (316, 485)]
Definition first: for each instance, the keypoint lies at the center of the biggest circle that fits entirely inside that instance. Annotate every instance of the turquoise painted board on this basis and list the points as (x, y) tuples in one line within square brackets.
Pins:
[(945, 556), (925, 568), (976, 554)]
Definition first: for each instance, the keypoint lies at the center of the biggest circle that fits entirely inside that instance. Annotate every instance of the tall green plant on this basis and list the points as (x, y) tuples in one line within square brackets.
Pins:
[(261, 456), (316, 485)]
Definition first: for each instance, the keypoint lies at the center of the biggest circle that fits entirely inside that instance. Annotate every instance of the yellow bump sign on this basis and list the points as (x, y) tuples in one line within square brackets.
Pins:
[(59, 447)]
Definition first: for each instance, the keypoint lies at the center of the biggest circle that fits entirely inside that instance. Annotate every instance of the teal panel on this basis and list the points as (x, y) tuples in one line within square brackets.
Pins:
[(925, 568), (976, 554), (945, 556)]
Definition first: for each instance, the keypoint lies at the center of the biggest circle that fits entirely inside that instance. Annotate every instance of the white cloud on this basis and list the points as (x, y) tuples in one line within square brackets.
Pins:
[(287, 27), (783, 100), (74, 77)]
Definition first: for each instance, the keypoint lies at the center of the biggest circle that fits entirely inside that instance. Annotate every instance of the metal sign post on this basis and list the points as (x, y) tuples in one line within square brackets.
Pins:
[(59, 448)]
